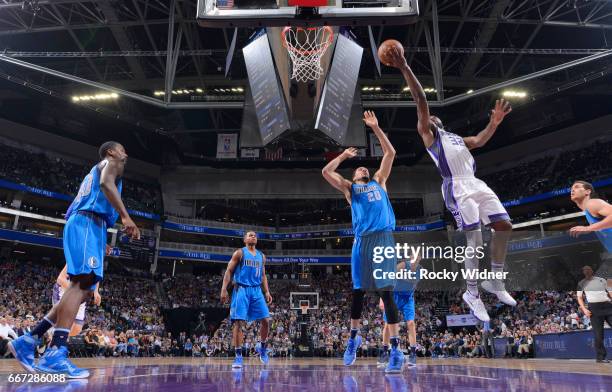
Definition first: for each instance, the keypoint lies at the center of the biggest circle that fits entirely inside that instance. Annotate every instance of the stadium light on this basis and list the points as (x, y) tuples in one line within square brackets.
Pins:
[(406, 88), (469, 91), (514, 94), (96, 97)]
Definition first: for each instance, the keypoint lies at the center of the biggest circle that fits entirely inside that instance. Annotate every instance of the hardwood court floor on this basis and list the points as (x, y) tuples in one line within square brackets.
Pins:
[(213, 374)]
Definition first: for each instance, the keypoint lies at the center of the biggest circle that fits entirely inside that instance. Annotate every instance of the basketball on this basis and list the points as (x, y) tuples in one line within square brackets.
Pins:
[(384, 50)]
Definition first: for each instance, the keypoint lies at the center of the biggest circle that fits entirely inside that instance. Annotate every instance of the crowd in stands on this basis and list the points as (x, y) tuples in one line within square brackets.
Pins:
[(56, 174), (130, 322), (552, 172)]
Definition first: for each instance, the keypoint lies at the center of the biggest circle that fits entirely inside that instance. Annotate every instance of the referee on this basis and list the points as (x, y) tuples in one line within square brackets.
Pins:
[(599, 298)]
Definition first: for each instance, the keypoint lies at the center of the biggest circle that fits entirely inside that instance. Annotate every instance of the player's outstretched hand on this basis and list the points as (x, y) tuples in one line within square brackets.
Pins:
[(396, 58), (224, 296), (130, 228), (501, 109), (579, 230), (350, 152), (370, 119), (268, 298)]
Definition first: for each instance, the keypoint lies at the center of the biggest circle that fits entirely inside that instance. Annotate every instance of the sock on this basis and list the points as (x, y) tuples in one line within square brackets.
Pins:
[(386, 347), (413, 350), (60, 337), (264, 343), (474, 239), (497, 266), (238, 351), (472, 287), (394, 342), (354, 333), (43, 326)]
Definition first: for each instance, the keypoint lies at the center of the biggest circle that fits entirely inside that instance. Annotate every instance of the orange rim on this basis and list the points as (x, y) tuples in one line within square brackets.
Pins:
[(307, 52)]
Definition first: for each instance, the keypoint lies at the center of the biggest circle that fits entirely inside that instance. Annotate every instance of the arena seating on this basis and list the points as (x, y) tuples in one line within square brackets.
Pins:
[(130, 311)]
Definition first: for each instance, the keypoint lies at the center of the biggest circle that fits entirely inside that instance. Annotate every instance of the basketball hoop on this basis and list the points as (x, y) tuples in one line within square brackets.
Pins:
[(306, 46)]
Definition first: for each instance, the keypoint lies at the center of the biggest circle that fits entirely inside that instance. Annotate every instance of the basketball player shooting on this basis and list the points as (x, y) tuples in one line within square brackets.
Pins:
[(373, 224), (469, 199), (247, 270), (96, 206)]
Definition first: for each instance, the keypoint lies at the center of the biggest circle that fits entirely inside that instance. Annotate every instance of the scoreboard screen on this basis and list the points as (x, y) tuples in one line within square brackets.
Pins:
[(336, 102), (268, 98)]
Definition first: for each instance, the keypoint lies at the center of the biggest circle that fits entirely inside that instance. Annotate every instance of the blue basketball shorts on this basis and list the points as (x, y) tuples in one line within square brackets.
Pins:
[(405, 304), (248, 303), (366, 273), (85, 245)]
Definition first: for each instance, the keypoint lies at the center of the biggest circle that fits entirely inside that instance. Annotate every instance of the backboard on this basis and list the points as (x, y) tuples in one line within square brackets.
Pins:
[(277, 13)]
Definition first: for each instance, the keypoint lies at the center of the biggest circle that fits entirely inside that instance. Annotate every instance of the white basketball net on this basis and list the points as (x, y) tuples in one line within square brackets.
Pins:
[(306, 46)]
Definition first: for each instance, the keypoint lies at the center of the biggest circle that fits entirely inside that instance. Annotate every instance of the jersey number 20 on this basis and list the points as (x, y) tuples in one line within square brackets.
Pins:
[(374, 195)]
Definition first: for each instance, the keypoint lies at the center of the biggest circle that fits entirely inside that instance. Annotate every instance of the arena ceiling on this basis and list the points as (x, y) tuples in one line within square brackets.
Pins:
[(141, 46)]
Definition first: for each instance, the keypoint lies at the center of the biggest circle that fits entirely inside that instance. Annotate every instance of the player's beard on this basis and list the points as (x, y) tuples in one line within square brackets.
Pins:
[(365, 179)]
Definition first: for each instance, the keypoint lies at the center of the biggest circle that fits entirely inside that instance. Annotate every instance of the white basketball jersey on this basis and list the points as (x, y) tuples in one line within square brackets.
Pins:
[(451, 155)]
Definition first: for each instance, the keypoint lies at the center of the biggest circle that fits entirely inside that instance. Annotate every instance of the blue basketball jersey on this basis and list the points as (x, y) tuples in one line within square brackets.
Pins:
[(371, 209), (249, 270), (605, 235), (91, 198)]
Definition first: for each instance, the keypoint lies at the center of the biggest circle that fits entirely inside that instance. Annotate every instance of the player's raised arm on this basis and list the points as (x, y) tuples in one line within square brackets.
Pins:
[(501, 109), (388, 151), (264, 281), (334, 178), (424, 124), (229, 272), (110, 172)]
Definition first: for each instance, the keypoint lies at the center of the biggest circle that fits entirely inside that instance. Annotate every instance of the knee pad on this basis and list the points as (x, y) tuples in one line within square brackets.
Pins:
[(390, 307), (357, 304)]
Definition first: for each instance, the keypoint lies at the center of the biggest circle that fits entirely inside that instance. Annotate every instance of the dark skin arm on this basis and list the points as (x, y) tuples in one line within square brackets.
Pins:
[(229, 272), (502, 108), (112, 170), (264, 282), (424, 125)]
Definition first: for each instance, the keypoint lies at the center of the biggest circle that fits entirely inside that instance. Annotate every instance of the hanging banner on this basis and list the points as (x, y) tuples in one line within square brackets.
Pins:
[(227, 145)]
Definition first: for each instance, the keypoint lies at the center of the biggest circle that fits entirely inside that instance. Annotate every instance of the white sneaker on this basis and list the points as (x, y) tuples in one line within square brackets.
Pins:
[(475, 303), (497, 288)]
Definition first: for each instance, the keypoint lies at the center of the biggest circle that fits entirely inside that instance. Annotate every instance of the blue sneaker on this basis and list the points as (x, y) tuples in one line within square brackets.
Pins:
[(412, 359), (56, 360), (263, 354), (350, 354), (23, 349), (237, 363), (383, 359), (396, 361)]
